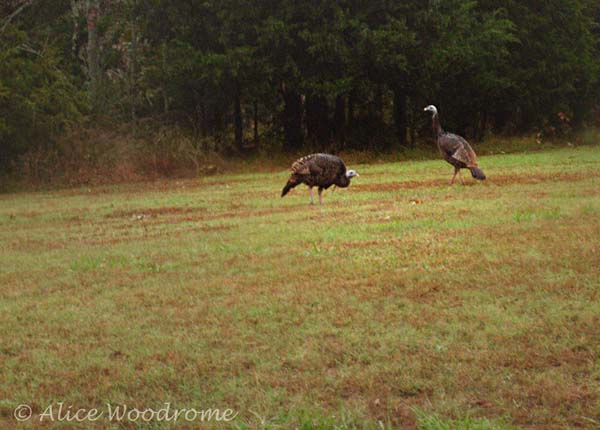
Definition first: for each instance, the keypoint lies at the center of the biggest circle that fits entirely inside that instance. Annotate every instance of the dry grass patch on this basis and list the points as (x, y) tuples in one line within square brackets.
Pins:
[(398, 303)]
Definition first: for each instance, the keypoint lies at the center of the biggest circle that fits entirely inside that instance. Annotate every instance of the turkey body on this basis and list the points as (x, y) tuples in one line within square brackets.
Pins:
[(455, 149), (319, 170), (457, 152)]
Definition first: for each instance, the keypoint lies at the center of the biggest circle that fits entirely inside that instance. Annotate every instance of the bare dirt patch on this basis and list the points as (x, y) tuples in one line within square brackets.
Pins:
[(150, 236), (35, 245), (198, 214), (169, 210), (144, 186), (493, 180)]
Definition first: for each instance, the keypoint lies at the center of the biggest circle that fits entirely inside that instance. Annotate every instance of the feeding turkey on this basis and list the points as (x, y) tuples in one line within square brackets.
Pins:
[(455, 149), (319, 170)]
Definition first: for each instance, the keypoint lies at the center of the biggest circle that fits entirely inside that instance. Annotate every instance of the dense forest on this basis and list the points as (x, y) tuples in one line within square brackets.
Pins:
[(236, 76)]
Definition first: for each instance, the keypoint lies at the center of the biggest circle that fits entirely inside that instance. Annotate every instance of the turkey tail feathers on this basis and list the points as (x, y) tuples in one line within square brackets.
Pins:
[(477, 173), (288, 187)]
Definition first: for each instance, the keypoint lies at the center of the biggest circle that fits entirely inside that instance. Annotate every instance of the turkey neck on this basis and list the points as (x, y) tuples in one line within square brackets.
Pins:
[(437, 128)]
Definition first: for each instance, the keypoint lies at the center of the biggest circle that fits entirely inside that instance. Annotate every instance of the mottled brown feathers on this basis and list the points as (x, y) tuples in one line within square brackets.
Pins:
[(301, 165), (317, 170), (455, 149)]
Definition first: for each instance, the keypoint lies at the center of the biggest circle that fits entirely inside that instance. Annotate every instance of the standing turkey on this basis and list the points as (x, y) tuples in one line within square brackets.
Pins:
[(319, 170), (455, 149)]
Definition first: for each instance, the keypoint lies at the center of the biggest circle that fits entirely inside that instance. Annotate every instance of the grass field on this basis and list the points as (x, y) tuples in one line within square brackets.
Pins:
[(401, 303)]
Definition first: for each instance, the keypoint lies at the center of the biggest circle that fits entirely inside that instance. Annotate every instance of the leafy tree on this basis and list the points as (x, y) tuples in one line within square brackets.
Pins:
[(321, 74), (37, 99)]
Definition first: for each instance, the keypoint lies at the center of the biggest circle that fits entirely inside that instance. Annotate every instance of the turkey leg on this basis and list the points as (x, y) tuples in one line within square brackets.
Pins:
[(454, 176)]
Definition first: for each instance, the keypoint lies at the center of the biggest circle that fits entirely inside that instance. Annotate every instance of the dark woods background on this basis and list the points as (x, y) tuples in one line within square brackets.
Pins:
[(107, 86)]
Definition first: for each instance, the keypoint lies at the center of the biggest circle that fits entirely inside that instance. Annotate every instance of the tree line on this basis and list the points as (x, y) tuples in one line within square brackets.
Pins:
[(329, 74)]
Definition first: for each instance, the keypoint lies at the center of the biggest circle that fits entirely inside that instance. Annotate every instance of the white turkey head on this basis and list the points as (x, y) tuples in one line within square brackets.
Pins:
[(351, 174), (432, 109)]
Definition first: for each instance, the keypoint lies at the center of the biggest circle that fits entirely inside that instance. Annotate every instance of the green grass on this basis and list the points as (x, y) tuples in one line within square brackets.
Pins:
[(402, 302)]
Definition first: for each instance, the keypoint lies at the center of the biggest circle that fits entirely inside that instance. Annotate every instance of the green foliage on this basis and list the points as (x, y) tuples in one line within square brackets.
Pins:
[(338, 73), (37, 99), (554, 63)]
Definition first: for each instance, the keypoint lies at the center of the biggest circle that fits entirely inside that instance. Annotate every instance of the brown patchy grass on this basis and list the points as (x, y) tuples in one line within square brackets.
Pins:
[(151, 212), (525, 179), (412, 303)]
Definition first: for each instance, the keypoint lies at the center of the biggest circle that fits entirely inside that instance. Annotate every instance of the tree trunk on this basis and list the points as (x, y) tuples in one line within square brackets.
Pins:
[(339, 120), (311, 119), (216, 125), (132, 77), (482, 126), (203, 120), (502, 117), (75, 14), (415, 111), (580, 106), (412, 121), (255, 118), (238, 120), (317, 119), (351, 108), (163, 87), (400, 118), (379, 104), (93, 57), (292, 120)]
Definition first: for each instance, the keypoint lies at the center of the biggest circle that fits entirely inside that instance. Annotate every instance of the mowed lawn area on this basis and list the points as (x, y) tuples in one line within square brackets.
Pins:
[(400, 303)]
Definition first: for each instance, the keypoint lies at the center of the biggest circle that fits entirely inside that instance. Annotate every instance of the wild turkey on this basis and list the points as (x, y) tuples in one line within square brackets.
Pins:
[(319, 170), (455, 149)]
